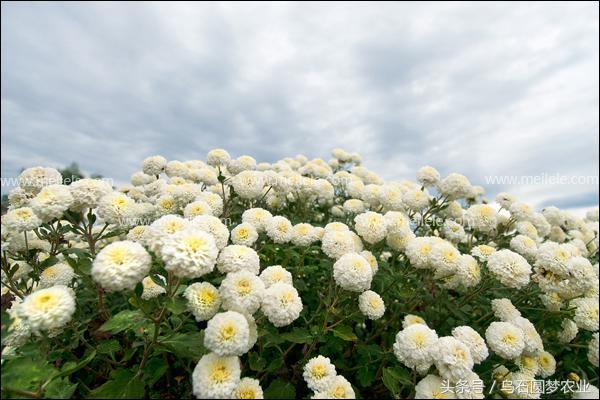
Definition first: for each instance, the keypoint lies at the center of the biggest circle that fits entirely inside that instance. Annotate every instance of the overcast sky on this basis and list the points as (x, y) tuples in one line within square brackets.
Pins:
[(481, 89)]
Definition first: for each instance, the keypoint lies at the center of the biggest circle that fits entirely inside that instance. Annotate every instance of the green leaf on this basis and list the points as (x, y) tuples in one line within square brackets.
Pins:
[(122, 385), (109, 347), (366, 375), (344, 332), (139, 289), (177, 305), (185, 345), (25, 374), (155, 368), (280, 389), (124, 320), (60, 389), (298, 335), (390, 381), (257, 363), (72, 366), (393, 377)]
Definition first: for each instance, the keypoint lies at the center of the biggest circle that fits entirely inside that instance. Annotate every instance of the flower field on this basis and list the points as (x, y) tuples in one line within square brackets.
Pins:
[(303, 278)]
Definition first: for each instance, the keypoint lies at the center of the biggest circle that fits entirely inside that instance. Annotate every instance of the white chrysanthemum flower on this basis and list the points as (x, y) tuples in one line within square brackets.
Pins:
[(505, 339), (151, 288), (21, 220), (473, 341), (483, 251), (553, 257), (47, 309), (258, 217), (547, 364), (418, 251), (248, 184), (586, 313), (415, 199), (275, 274), (371, 226), (121, 265), (240, 164), (162, 229), (138, 234), (216, 377), (521, 211), (234, 258), (569, 331), (455, 186), (117, 208), (470, 387), (528, 364), (525, 246), (140, 178), (452, 358), (227, 334), (195, 208), (510, 268), (337, 243), (533, 341), (411, 319), (444, 258), (593, 350), (415, 344), (523, 386), (280, 229), (371, 304), (338, 388), (57, 274), (281, 304), (352, 272), (154, 165), (453, 231), (398, 240), (242, 291), (214, 200), (318, 373), (433, 387), (51, 202), (87, 193), (244, 234), (218, 157), (428, 176), (215, 227), (32, 180), (371, 259), (303, 235), (189, 253), (587, 392), (248, 388), (354, 206), (481, 217), (504, 310), (203, 300)]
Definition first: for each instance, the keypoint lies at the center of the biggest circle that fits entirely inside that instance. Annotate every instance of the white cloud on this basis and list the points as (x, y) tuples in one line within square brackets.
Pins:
[(479, 88)]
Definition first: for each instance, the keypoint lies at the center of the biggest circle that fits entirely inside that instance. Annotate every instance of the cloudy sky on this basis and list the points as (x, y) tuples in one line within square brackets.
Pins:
[(487, 90)]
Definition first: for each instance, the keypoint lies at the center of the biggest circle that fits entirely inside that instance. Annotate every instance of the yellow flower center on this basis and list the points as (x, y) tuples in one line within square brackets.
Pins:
[(244, 287), (173, 226), (117, 255), (339, 392), (227, 332), (194, 243), (509, 338), (243, 233), (206, 296), (23, 213), (119, 202), (49, 272), (45, 301), (319, 371), (220, 373), (246, 393), (419, 339), (287, 298), (425, 249)]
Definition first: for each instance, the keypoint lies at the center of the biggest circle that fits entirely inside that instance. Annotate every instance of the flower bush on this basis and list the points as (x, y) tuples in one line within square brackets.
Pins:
[(228, 278)]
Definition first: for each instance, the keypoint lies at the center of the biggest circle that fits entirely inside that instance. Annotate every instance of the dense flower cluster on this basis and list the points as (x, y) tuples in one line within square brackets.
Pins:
[(301, 277)]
